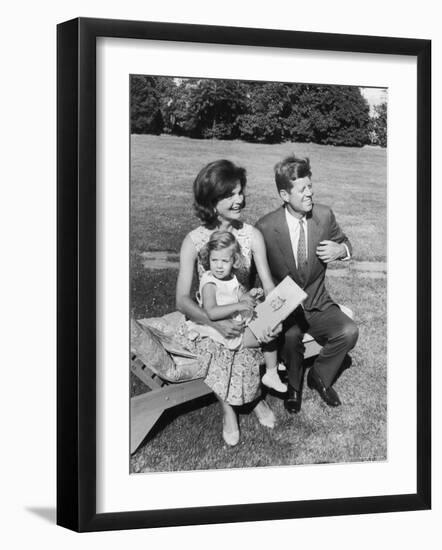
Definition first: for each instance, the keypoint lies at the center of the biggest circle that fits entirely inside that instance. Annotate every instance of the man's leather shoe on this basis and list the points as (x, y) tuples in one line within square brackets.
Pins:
[(328, 395), (293, 400)]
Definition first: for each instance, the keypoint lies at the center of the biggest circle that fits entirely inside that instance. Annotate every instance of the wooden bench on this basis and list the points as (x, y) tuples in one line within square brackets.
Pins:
[(146, 409)]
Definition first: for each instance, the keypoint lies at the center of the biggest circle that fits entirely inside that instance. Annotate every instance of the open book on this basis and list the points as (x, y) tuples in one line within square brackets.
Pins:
[(277, 306)]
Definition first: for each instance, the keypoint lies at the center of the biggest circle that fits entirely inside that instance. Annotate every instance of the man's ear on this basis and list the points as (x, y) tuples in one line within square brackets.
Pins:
[(285, 196)]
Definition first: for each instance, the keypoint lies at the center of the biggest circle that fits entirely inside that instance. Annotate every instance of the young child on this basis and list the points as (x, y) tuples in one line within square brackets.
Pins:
[(222, 297)]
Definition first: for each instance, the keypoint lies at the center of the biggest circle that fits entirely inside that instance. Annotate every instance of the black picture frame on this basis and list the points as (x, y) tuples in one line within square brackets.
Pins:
[(77, 287)]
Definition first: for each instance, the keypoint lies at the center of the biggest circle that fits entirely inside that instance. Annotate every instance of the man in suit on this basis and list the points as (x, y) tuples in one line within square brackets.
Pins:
[(301, 238)]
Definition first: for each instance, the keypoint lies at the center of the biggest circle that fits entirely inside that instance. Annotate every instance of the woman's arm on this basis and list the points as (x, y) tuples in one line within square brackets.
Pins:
[(261, 263), (184, 302), (262, 266), (216, 312)]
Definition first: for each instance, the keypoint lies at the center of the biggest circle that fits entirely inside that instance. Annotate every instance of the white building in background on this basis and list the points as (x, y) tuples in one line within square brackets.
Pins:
[(375, 96)]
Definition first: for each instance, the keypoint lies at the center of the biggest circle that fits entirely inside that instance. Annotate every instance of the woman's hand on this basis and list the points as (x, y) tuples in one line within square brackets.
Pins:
[(229, 328)]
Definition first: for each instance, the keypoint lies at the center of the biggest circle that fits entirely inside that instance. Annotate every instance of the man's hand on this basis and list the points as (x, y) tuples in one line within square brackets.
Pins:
[(271, 334), (229, 328), (329, 251)]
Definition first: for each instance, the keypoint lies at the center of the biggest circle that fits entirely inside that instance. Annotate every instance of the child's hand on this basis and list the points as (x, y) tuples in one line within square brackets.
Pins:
[(248, 299), (246, 304), (256, 294)]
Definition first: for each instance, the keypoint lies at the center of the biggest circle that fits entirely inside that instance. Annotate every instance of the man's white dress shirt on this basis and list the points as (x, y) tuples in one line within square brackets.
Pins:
[(294, 230)]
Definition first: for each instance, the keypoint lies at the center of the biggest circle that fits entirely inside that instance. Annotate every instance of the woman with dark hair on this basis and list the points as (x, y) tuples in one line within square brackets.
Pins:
[(233, 375)]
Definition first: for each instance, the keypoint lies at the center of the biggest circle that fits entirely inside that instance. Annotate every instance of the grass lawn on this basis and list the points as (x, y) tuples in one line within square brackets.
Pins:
[(353, 182), (189, 437)]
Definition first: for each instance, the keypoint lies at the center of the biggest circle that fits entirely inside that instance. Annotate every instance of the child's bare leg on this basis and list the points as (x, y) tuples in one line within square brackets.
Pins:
[(271, 377), (271, 359)]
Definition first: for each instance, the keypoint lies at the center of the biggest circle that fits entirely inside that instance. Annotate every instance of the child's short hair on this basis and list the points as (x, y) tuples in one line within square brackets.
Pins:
[(219, 240)]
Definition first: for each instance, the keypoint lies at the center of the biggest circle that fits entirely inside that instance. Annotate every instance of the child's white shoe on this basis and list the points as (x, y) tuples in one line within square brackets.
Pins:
[(272, 380)]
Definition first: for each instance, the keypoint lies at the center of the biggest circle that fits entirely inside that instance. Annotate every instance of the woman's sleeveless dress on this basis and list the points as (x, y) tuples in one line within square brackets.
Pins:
[(233, 375)]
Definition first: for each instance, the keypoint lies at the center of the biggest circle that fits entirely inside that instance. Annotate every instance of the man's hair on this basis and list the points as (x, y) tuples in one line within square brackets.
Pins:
[(219, 240), (290, 169), (214, 182)]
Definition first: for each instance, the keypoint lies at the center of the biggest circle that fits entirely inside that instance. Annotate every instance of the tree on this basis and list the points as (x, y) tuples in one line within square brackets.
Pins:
[(265, 112), (331, 115), (268, 106), (378, 125), (145, 111), (335, 115), (209, 108)]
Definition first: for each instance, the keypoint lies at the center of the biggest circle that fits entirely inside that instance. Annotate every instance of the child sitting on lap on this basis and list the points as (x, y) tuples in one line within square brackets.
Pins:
[(222, 297)]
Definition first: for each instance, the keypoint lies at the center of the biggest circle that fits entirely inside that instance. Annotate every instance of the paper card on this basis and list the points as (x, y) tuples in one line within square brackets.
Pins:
[(277, 306)]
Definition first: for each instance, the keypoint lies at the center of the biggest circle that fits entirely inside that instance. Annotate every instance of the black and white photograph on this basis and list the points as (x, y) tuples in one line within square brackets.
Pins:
[(258, 273), (218, 275), (252, 319)]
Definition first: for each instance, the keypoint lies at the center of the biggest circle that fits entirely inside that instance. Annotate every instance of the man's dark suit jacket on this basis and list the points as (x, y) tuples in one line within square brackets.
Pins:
[(321, 225)]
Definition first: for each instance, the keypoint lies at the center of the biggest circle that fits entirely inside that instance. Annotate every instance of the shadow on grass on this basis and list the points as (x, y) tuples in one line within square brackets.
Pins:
[(346, 364)]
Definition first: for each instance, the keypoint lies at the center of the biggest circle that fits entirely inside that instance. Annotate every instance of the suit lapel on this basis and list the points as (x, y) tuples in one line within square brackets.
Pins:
[(285, 244)]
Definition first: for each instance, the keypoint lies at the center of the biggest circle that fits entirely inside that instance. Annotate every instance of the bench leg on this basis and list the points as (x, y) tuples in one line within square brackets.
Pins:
[(140, 426), (145, 409)]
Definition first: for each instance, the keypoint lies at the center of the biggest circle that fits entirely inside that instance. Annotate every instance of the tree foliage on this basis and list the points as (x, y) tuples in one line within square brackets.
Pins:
[(145, 106), (264, 112), (267, 109), (378, 125), (331, 115), (208, 108)]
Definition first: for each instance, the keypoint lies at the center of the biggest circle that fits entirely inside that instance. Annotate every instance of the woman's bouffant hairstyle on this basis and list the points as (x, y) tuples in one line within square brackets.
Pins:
[(290, 169), (215, 181), (219, 240)]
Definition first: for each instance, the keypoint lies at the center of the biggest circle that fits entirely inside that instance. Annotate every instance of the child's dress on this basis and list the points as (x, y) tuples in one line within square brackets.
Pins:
[(227, 292)]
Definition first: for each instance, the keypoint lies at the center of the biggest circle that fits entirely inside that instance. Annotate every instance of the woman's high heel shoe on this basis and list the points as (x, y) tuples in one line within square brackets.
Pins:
[(231, 437)]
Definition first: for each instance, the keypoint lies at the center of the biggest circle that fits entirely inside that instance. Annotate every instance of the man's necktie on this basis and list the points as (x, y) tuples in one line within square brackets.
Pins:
[(302, 253)]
